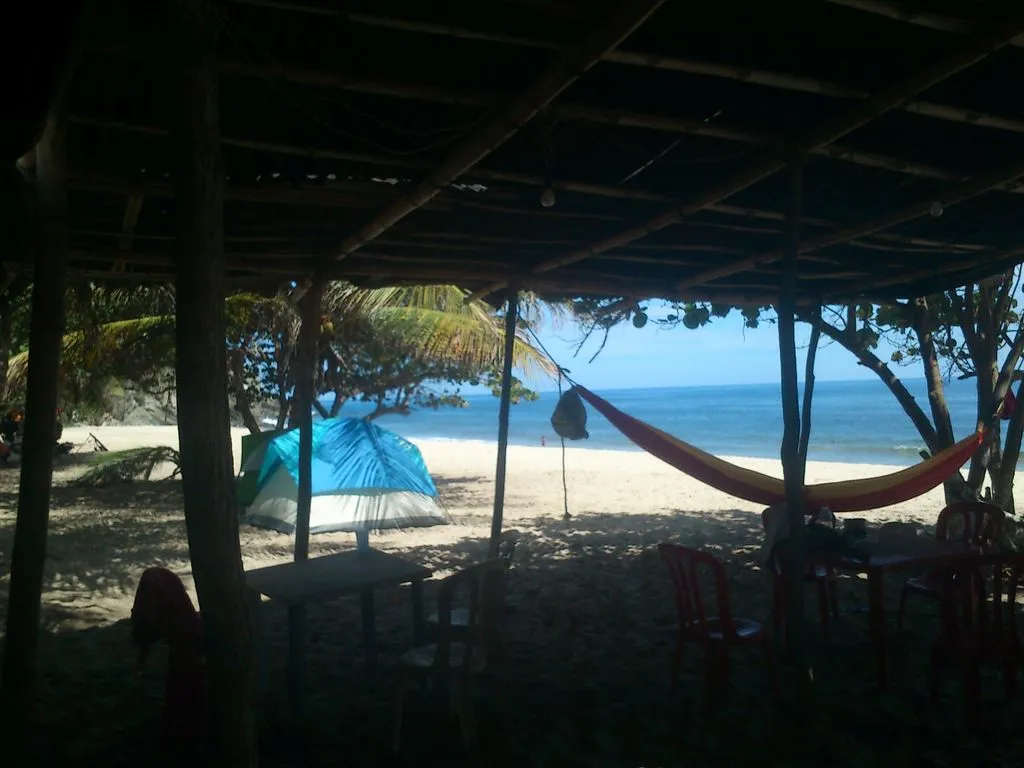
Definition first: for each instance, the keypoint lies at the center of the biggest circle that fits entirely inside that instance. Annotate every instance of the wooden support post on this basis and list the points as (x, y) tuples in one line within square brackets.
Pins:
[(805, 412), (792, 466), (305, 393), (45, 336), (204, 431), (511, 317)]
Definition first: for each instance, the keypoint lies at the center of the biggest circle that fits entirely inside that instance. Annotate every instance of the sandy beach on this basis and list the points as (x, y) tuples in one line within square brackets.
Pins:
[(595, 576), (619, 488)]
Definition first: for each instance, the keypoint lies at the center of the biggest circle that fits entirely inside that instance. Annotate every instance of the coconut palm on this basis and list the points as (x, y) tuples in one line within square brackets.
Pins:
[(437, 322), (440, 322)]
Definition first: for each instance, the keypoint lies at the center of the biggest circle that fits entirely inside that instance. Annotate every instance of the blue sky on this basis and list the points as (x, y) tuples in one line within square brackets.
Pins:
[(721, 353)]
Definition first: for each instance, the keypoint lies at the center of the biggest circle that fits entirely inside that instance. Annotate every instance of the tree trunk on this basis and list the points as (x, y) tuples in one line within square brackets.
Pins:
[(986, 367), (305, 395), (45, 335), (204, 435), (954, 487), (242, 405), (1003, 475), (792, 466), (338, 404)]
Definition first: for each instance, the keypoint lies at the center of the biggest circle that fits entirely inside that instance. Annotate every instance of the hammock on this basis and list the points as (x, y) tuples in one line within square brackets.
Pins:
[(846, 496)]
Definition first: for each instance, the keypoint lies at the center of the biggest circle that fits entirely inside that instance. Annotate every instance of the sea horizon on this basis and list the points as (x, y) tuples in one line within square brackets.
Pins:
[(854, 421)]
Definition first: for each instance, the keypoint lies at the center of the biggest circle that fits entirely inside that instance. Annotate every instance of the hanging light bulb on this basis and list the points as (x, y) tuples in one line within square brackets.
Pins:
[(547, 197), (936, 209)]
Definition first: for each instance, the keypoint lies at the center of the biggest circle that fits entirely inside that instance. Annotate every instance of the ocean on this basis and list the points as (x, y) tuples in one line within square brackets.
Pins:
[(852, 421)]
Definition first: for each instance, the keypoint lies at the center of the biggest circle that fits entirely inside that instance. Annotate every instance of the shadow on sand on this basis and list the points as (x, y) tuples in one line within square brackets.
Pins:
[(592, 638)]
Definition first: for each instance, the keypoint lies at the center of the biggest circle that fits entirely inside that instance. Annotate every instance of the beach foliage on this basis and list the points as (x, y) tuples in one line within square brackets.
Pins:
[(394, 348), (109, 468)]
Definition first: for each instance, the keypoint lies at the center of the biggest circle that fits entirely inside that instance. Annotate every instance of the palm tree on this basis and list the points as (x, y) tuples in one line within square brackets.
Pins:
[(440, 322), (436, 323)]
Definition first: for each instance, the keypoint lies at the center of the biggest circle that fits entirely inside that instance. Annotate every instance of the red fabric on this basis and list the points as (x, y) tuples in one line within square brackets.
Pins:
[(1009, 405), (846, 496), (164, 611)]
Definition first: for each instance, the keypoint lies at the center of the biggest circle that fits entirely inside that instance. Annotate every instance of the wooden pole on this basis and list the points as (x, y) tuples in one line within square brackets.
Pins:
[(305, 393), (792, 468), (204, 429), (45, 335), (511, 317)]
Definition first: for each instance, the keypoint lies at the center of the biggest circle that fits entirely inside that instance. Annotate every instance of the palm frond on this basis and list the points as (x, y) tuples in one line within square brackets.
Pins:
[(128, 465), (460, 338), (439, 321)]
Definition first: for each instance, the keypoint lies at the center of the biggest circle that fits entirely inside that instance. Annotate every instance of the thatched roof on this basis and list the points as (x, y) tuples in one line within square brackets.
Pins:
[(410, 141)]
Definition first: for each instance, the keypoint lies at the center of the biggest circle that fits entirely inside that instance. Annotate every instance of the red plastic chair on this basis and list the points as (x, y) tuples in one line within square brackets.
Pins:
[(715, 632), (977, 628), (823, 577), (979, 524)]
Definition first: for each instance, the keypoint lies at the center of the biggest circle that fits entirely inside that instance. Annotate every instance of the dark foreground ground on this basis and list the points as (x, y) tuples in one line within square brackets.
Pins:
[(592, 638)]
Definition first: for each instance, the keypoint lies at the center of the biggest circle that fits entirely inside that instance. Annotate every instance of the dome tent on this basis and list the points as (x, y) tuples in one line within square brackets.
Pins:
[(364, 478)]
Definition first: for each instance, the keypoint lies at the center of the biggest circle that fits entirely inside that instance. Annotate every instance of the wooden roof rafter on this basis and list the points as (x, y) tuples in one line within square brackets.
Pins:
[(955, 194), (732, 72), (917, 17), (1000, 34), (321, 139), (559, 184), (501, 125), (569, 111)]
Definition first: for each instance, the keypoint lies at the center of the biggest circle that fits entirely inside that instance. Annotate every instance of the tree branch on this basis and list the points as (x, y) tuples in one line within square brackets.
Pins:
[(936, 392), (961, 307), (1006, 286), (236, 370), (848, 340)]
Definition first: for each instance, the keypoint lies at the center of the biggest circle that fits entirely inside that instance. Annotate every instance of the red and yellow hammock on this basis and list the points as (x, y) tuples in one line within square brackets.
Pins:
[(846, 496)]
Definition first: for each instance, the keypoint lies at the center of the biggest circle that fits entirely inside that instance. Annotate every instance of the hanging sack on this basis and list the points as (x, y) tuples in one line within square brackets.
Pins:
[(570, 417)]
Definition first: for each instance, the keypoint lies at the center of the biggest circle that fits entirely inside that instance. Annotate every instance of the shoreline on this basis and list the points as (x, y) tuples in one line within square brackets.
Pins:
[(439, 453), (127, 436)]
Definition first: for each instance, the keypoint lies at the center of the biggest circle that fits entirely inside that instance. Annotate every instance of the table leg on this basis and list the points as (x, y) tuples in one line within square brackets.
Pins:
[(369, 630), (419, 622), (296, 661), (876, 612)]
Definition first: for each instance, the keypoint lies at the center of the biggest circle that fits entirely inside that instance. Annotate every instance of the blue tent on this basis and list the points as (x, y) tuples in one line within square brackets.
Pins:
[(364, 478)]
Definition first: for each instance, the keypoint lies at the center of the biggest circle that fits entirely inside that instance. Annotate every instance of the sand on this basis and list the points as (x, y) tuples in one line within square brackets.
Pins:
[(595, 576), (620, 484)]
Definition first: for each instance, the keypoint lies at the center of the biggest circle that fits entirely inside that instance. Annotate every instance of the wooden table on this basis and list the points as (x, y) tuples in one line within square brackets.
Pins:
[(299, 583), (897, 549)]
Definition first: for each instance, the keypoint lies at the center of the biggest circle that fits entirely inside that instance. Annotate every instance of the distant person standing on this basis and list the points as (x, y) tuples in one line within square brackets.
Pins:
[(543, 441)]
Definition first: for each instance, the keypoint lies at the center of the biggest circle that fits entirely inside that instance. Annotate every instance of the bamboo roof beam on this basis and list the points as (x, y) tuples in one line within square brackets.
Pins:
[(579, 187), (586, 113), (933, 271), (582, 112), (736, 73), (830, 131), (955, 194), (500, 126), (920, 18)]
